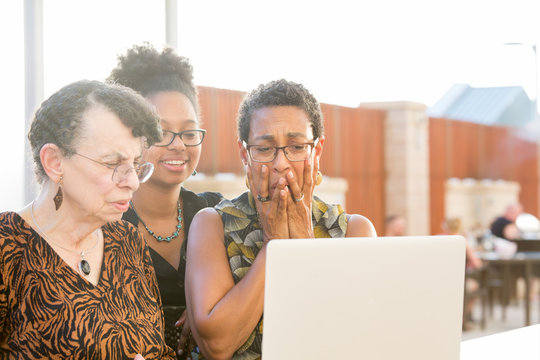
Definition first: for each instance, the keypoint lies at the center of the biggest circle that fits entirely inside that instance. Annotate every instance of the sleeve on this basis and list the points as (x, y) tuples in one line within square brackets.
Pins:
[(3, 294), (211, 198)]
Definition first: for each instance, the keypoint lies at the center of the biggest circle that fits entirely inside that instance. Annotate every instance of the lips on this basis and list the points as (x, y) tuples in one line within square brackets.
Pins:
[(122, 205), (174, 162)]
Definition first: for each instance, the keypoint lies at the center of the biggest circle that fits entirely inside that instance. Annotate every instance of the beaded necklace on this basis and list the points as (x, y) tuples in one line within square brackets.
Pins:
[(174, 235)]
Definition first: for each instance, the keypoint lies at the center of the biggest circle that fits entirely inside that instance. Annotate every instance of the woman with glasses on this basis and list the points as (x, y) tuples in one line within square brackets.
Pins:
[(75, 281), (280, 142), (161, 208)]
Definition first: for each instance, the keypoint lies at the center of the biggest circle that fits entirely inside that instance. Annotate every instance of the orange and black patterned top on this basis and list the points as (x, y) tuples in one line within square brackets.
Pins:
[(47, 310)]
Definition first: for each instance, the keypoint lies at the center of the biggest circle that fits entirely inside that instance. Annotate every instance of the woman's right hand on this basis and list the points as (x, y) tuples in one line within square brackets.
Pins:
[(272, 213)]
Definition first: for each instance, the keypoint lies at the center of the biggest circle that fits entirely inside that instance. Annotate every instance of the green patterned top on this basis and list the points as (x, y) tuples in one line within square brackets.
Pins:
[(244, 239)]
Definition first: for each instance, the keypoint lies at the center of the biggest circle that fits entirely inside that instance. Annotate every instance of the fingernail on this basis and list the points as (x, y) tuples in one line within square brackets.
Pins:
[(177, 323), (290, 174)]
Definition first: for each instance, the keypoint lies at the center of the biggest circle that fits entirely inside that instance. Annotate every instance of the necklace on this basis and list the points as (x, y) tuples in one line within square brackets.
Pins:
[(84, 266), (176, 232)]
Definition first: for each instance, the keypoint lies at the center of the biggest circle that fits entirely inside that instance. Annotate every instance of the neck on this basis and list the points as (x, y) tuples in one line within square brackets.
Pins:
[(65, 225), (156, 201)]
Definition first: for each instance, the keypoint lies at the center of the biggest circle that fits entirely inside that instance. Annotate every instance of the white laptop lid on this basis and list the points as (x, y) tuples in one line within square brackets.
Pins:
[(364, 298)]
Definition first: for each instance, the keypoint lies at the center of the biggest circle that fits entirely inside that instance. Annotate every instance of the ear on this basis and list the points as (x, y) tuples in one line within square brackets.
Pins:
[(318, 149), (51, 159), (243, 153)]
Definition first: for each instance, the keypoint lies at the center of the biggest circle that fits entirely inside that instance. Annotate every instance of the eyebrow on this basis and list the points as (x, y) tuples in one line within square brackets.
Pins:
[(120, 157), (291, 135), (183, 121)]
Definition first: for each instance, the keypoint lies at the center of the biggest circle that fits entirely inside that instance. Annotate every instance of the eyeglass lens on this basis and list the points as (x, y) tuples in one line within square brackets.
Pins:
[(143, 172), (298, 152), (189, 137)]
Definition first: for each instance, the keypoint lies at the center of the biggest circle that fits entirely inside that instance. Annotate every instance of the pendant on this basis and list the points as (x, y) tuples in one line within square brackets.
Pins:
[(84, 267)]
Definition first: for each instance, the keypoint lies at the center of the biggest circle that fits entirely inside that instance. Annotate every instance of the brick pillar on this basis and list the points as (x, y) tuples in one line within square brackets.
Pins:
[(407, 163)]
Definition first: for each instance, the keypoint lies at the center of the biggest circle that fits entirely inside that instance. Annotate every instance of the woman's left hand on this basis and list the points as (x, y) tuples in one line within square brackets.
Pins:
[(186, 342), (299, 201)]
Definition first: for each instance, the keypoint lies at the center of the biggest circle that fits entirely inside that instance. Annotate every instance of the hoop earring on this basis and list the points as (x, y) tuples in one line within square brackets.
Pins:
[(59, 197), (247, 183), (318, 179)]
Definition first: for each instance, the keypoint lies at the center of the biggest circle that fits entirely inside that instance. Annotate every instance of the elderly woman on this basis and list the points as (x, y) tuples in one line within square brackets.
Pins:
[(76, 281), (162, 208), (280, 141)]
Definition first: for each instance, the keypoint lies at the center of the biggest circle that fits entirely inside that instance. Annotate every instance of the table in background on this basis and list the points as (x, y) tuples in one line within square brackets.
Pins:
[(518, 344), (527, 260)]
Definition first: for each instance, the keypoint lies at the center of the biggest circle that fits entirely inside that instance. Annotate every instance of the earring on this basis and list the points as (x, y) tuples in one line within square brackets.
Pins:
[(318, 180), (194, 173), (247, 182), (59, 197)]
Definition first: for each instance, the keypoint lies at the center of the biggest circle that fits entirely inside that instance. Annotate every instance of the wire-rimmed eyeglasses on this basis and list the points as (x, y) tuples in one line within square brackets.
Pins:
[(121, 172), (188, 137), (293, 152)]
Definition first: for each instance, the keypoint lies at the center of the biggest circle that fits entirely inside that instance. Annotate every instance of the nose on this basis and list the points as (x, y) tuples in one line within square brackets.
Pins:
[(281, 163), (130, 179), (177, 143)]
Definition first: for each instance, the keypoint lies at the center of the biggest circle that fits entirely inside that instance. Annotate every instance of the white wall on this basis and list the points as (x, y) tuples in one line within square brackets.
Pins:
[(12, 132)]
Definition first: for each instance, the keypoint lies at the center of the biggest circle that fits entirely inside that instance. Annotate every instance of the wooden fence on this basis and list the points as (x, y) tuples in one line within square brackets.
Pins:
[(467, 150)]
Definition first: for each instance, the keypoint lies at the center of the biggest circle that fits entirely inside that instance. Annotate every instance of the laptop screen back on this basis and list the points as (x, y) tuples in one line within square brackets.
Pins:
[(364, 298)]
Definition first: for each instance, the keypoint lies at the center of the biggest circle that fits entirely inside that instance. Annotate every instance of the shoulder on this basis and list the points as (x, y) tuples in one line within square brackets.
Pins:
[(360, 226), (123, 234), (12, 228)]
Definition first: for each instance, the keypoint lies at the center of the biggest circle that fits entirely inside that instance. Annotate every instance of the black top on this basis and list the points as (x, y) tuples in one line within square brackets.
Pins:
[(497, 227), (171, 281)]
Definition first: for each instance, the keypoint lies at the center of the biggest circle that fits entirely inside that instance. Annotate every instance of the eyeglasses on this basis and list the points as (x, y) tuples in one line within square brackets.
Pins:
[(188, 137), (121, 172), (295, 152)]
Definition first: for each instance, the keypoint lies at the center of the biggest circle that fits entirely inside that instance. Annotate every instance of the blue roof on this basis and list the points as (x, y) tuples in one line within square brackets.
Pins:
[(508, 106)]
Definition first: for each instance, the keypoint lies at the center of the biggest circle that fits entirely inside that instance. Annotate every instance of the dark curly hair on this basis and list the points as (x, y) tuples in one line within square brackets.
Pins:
[(59, 118), (279, 93), (147, 71)]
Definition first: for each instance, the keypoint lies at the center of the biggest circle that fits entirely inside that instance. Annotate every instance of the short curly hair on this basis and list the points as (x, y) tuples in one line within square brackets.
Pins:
[(59, 119), (148, 72), (279, 93)]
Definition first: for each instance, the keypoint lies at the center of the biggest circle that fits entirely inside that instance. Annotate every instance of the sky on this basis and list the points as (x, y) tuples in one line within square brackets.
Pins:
[(345, 52)]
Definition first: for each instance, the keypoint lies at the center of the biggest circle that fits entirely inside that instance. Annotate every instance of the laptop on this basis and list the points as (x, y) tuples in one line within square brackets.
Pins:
[(381, 298)]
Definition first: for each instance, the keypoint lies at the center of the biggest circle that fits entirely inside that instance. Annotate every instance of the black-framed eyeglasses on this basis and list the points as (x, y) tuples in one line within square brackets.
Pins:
[(121, 172), (294, 152), (188, 137)]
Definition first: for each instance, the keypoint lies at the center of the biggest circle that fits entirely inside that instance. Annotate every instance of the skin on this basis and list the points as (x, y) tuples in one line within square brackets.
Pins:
[(223, 314), (511, 231), (396, 227), (156, 200), (90, 197)]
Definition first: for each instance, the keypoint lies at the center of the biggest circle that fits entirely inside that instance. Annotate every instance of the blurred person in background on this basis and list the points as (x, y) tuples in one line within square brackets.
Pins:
[(162, 208), (394, 225), (453, 226), (505, 226)]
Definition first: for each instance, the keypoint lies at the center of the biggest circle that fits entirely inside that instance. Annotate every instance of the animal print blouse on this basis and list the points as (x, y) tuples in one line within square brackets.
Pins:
[(47, 310)]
